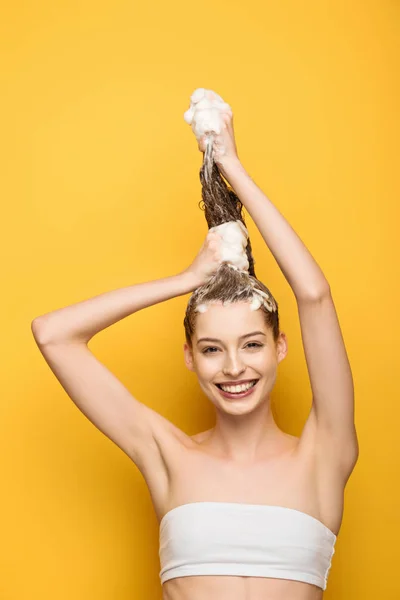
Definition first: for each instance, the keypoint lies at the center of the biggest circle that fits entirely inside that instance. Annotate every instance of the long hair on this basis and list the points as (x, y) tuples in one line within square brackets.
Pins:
[(227, 285)]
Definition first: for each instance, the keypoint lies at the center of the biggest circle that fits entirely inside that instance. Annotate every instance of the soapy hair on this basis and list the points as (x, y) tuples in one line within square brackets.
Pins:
[(227, 285)]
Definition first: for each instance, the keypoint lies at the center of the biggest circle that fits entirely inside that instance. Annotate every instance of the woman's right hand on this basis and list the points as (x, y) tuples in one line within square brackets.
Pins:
[(207, 260)]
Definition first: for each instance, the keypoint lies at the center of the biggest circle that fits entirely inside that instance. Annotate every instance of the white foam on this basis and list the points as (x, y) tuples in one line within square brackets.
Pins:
[(233, 244), (204, 114)]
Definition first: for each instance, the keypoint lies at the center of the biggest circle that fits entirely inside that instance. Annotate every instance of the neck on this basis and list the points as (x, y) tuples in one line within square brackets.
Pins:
[(246, 438)]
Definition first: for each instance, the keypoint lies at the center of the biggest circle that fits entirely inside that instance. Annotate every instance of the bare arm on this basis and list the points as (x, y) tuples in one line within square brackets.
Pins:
[(295, 261), (81, 321), (327, 361), (62, 338)]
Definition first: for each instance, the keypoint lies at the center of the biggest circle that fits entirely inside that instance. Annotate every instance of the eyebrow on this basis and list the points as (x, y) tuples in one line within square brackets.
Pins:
[(208, 339)]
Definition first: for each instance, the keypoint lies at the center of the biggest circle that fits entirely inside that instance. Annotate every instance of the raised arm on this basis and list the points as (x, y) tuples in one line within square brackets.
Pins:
[(63, 336), (79, 322), (332, 413)]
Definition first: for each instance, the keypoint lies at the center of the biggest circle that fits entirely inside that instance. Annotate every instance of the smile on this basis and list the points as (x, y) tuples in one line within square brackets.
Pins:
[(237, 391)]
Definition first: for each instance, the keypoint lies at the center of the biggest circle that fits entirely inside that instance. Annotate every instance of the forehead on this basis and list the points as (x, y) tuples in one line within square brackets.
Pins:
[(230, 321)]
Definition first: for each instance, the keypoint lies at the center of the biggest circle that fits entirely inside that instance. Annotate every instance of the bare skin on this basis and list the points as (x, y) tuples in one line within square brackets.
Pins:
[(245, 457), (288, 474)]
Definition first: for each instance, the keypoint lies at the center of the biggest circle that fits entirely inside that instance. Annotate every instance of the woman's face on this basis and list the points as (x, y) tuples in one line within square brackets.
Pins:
[(232, 355)]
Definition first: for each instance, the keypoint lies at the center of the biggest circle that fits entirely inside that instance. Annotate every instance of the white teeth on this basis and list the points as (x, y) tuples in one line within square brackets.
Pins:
[(236, 389)]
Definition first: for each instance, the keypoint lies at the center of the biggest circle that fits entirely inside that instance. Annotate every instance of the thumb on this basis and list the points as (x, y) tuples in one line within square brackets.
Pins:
[(202, 144)]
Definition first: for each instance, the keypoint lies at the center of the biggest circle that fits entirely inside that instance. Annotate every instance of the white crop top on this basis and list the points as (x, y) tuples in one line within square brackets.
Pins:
[(254, 540)]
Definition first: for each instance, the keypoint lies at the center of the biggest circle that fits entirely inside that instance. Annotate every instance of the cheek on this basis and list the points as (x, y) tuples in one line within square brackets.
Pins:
[(264, 362), (207, 367)]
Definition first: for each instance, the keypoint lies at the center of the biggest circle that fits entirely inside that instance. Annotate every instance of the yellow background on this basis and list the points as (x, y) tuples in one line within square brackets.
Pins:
[(100, 190)]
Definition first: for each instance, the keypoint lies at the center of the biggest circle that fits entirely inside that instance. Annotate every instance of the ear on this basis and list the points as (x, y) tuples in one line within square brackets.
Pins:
[(188, 356), (281, 347)]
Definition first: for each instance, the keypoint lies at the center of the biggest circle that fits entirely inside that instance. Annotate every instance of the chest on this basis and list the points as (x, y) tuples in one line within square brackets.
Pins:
[(288, 481)]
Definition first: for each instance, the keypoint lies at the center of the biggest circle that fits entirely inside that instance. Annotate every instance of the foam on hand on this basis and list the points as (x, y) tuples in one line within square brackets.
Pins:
[(204, 114), (233, 252), (233, 244)]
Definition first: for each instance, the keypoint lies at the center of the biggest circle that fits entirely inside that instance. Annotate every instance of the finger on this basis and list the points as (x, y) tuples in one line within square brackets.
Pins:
[(227, 115), (215, 235), (213, 246), (202, 143)]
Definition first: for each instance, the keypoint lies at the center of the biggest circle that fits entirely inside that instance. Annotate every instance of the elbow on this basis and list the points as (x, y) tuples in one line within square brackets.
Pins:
[(324, 291), (40, 330), (37, 329), (315, 294), (45, 333)]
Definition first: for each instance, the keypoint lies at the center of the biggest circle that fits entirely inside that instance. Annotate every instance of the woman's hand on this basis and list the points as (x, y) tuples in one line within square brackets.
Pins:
[(207, 260), (224, 146)]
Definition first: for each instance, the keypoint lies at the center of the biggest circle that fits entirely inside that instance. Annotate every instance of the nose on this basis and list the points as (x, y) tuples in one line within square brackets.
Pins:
[(233, 366)]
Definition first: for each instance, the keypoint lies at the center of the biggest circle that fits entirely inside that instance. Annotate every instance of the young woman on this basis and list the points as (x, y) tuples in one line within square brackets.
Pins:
[(245, 510)]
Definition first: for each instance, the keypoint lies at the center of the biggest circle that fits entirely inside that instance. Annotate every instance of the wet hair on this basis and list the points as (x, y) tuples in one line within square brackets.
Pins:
[(227, 285)]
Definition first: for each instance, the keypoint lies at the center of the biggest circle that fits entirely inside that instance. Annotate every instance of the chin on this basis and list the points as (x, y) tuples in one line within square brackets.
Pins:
[(238, 408), (240, 405)]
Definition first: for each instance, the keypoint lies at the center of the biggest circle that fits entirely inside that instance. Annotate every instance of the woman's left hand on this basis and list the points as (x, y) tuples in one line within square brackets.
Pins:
[(224, 146)]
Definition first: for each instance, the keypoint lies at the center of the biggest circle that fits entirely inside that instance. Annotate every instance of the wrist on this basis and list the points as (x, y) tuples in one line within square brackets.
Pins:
[(229, 165), (190, 280)]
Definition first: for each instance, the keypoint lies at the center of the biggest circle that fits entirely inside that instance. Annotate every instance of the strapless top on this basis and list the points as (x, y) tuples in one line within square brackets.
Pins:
[(254, 540)]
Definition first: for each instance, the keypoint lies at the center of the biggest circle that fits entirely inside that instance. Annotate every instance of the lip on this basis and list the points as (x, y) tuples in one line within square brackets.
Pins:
[(238, 396), (236, 382)]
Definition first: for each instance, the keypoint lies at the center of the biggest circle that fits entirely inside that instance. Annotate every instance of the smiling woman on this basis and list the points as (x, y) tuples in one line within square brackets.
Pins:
[(245, 510), (240, 365), (269, 532)]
